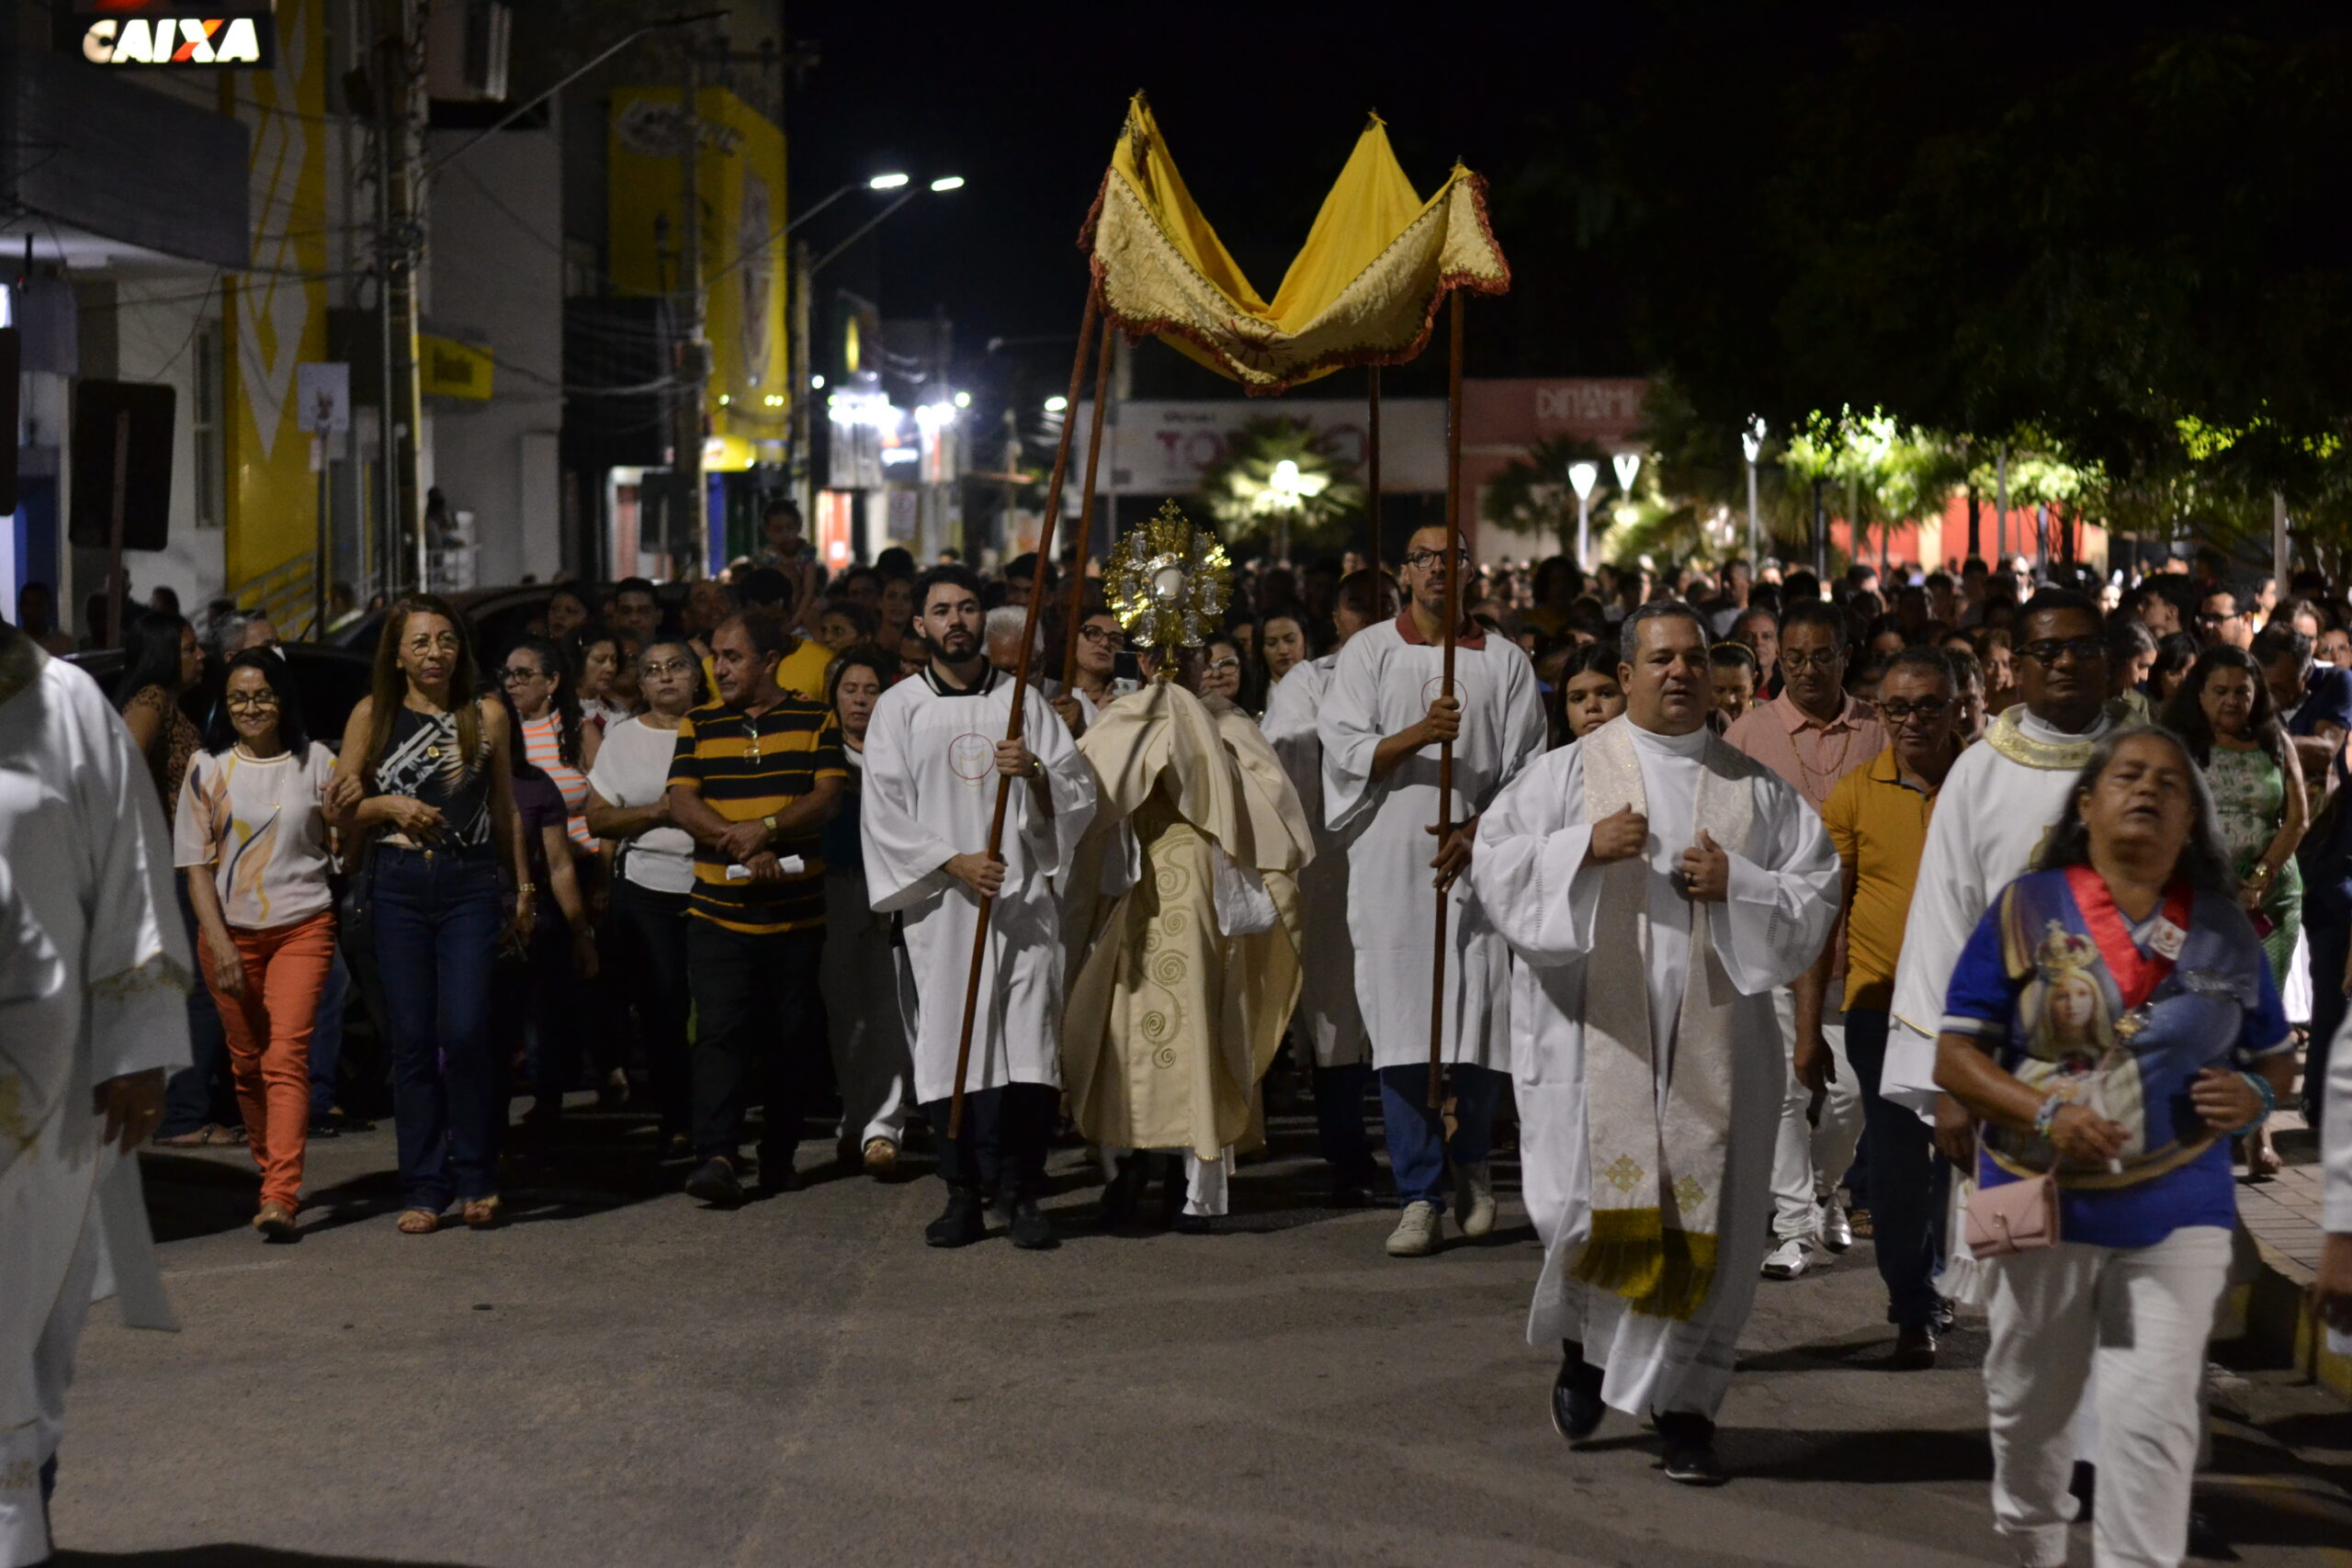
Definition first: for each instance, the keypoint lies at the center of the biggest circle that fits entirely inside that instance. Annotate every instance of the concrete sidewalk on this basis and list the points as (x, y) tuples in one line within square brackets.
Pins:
[(2283, 1216)]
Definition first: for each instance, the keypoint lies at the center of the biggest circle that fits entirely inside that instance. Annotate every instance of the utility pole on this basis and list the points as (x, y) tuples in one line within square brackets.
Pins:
[(686, 541), (401, 108)]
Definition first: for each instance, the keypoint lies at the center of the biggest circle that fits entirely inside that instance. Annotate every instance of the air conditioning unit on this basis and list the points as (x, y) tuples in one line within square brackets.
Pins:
[(466, 47)]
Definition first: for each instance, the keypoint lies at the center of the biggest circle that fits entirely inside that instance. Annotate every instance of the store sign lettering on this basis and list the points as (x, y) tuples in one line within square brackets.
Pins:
[(175, 40)]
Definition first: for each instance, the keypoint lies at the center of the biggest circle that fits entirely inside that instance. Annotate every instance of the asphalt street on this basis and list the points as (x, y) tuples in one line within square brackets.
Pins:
[(621, 1376)]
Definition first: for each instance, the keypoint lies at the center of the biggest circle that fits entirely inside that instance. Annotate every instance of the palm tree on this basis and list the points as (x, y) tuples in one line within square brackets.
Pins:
[(1275, 481)]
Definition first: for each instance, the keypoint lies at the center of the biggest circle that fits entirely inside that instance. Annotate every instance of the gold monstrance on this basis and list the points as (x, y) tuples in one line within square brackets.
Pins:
[(1166, 582)]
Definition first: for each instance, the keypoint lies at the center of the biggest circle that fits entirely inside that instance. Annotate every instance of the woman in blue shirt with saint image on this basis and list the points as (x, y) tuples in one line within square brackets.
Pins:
[(2114, 1021)]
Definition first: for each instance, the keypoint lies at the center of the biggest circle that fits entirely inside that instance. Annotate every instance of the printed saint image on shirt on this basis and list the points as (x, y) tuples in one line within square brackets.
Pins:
[(2069, 1009)]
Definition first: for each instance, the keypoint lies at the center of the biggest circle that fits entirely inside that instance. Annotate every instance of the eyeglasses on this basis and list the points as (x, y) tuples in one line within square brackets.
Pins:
[(1819, 659), (514, 673), (1426, 557), (1220, 666), (668, 667), (1097, 633), (428, 642), (1927, 710), (2049, 651), (250, 700), (2215, 617)]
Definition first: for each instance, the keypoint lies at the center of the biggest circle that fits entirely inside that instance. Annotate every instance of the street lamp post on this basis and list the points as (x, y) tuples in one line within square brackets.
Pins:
[(1582, 476), (1751, 445)]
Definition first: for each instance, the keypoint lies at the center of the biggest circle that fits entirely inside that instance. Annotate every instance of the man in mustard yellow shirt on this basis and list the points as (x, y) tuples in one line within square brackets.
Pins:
[(806, 663), (1877, 816)]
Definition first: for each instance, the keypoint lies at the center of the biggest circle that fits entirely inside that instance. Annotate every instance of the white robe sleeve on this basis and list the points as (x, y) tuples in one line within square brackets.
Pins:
[(1069, 784), (1526, 732), (1290, 730), (137, 964), (902, 856), (1529, 870), (1775, 918), (1350, 728)]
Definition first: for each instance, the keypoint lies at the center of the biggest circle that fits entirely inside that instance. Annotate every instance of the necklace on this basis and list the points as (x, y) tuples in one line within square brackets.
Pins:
[(1818, 782)]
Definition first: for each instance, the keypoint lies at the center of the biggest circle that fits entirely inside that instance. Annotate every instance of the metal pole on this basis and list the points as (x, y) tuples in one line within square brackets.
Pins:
[(2279, 552), (1453, 625), (1755, 560), (693, 357), (116, 590), (1020, 695), (2001, 508), (1372, 465), (319, 586), (1584, 535)]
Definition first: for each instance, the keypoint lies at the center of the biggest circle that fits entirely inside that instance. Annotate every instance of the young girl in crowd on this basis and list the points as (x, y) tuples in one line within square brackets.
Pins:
[(250, 833)]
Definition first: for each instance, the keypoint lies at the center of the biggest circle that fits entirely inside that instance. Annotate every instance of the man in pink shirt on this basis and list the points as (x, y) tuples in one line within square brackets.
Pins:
[(1812, 734)]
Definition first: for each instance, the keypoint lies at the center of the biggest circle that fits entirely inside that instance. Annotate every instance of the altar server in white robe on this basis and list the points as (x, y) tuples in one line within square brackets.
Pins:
[(1654, 886), (94, 970), (1996, 809), (2331, 1293), (934, 751), (1329, 1022), (1385, 713)]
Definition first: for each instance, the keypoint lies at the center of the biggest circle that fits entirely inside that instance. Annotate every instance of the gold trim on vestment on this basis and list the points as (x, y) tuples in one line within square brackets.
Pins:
[(2014, 743)]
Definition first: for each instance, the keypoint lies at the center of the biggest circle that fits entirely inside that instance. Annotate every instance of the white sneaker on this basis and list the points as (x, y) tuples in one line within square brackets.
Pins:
[(1792, 1258), (1473, 1199), (1836, 1229), (1416, 1232)]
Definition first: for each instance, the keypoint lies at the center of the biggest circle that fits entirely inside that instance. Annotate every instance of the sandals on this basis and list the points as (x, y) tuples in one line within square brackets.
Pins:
[(481, 1214), (276, 1223), (419, 1222), (210, 1135)]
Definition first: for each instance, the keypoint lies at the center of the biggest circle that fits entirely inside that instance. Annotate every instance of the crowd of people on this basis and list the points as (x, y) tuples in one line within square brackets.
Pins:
[(1985, 912)]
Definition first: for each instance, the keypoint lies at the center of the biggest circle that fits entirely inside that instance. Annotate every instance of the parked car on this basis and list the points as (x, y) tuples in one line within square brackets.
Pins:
[(498, 616), (328, 683)]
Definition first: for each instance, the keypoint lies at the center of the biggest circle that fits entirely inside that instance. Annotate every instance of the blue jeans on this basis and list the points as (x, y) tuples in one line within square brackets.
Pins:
[(326, 1037), (438, 915), (1417, 1146), (1907, 1181)]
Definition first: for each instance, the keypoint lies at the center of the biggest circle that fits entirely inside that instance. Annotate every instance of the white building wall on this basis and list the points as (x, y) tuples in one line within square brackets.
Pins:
[(494, 276), (159, 338)]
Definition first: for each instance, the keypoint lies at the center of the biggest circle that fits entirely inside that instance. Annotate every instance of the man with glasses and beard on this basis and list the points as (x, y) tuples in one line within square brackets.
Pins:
[(1385, 715), (934, 751)]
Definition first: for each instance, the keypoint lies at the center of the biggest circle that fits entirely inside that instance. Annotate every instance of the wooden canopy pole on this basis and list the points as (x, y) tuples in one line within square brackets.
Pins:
[(1020, 702), (1086, 514), (1372, 464), (1453, 625)]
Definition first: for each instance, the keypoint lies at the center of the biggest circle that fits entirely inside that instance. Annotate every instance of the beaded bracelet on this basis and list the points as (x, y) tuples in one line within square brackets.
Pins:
[(2047, 1114), (2270, 1100)]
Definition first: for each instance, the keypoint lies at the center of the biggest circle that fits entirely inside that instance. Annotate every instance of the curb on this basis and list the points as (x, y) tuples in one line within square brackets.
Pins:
[(2279, 1322)]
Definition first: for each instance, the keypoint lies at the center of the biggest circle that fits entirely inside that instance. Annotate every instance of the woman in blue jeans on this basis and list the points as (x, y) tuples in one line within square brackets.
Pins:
[(423, 783)]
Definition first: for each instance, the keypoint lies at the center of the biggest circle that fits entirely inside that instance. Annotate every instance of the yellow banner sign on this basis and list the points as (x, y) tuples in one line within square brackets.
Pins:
[(448, 368)]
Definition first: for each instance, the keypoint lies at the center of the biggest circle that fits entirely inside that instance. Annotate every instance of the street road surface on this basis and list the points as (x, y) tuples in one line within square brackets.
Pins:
[(621, 1377)]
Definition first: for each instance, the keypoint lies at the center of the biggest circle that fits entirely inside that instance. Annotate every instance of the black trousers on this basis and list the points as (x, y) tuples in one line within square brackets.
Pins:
[(649, 941), (756, 1014), (1007, 1131)]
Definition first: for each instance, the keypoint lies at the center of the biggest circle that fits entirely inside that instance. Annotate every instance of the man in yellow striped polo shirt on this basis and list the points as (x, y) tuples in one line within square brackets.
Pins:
[(755, 777)]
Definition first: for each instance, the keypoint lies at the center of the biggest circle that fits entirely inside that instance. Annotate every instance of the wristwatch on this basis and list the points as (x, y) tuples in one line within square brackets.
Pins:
[(769, 823)]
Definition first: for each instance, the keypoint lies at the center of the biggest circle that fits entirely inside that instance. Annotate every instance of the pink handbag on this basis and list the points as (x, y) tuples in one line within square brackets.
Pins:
[(2017, 1216)]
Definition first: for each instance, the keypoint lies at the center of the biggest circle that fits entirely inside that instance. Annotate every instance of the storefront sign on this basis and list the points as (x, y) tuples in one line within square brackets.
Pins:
[(176, 40), (452, 369)]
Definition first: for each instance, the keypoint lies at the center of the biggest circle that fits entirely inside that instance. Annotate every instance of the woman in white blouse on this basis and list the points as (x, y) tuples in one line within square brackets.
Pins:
[(629, 804), (253, 813)]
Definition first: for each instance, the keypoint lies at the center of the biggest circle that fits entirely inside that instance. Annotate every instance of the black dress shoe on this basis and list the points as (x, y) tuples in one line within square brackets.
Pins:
[(2082, 1486), (1190, 1224), (716, 1183), (1577, 1410), (1123, 1192), (1691, 1450), (1915, 1349), (1032, 1232), (960, 1224), (2207, 1543), (777, 1173)]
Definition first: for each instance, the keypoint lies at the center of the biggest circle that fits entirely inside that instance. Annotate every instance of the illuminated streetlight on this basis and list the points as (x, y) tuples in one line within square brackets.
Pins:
[(1629, 468), (1751, 443), (963, 400), (886, 182), (1056, 403), (948, 182), (817, 382), (1582, 476)]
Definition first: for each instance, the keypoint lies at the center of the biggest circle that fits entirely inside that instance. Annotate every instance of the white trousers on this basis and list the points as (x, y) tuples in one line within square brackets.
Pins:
[(1810, 1160), (2140, 1316), (24, 1523), (860, 986)]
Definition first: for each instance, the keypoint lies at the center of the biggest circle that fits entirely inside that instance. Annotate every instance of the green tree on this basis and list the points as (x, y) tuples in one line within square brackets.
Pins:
[(1274, 483)]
